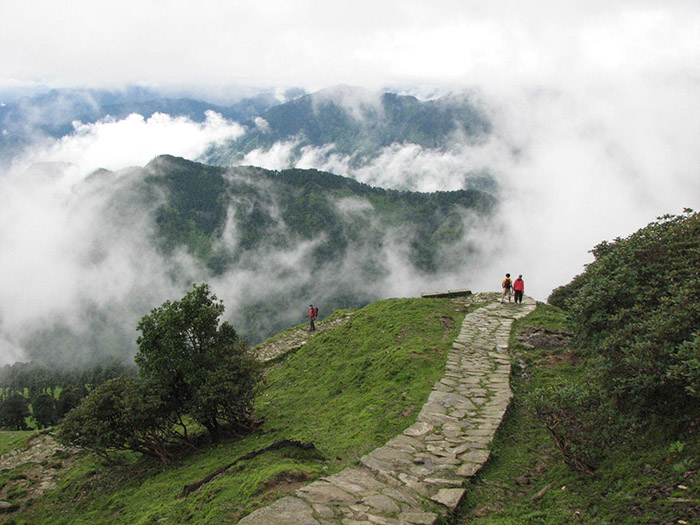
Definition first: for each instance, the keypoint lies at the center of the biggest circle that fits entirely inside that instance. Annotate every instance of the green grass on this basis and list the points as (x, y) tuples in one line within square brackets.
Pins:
[(640, 481), (13, 439), (348, 390)]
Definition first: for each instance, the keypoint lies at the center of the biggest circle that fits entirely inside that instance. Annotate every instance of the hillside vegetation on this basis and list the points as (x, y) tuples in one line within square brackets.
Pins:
[(605, 427), (346, 391)]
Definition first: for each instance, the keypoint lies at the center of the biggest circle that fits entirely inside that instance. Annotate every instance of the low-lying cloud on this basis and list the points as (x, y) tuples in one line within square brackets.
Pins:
[(573, 166), (114, 144)]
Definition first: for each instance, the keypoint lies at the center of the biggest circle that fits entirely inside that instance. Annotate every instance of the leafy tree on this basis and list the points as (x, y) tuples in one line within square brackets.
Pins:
[(13, 412), (121, 414), (69, 398), (44, 410), (196, 364), (190, 364)]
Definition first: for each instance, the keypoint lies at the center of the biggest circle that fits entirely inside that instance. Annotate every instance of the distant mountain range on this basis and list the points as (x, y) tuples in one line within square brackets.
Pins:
[(25, 119), (357, 123), (351, 124), (267, 241)]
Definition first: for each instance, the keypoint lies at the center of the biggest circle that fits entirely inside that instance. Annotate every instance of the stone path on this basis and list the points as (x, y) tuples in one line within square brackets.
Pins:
[(294, 339), (418, 476)]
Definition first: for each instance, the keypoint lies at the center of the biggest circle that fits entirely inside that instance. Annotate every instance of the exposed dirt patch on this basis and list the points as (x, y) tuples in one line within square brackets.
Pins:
[(563, 358), (408, 410), (447, 322), (286, 483), (544, 338)]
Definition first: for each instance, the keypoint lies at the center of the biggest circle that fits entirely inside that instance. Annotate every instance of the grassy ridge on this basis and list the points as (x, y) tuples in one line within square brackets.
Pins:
[(348, 390)]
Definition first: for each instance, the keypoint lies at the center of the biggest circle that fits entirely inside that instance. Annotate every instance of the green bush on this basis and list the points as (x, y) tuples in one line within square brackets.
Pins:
[(119, 415), (636, 317), (581, 419), (637, 310)]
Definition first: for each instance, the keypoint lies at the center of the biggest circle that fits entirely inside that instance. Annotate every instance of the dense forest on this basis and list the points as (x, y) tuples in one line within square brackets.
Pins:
[(277, 209), (46, 394)]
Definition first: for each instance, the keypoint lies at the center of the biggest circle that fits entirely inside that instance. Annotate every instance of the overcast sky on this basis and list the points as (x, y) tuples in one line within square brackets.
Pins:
[(595, 103), (314, 43)]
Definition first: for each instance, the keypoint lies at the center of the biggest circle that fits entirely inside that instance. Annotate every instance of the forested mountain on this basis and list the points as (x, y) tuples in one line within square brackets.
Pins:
[(358, 123), (268, 242), (278, 209)]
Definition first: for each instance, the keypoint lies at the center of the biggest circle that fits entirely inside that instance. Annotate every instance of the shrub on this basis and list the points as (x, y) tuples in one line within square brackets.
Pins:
[(636, 309), (636, 316), (121, 414), (581, 419)]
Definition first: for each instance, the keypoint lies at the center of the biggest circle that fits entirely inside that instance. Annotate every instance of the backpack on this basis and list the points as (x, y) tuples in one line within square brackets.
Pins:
[(507, 284), (315, 312)]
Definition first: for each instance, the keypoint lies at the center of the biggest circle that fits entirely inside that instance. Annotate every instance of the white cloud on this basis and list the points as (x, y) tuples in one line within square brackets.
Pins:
[(312, 44), (114, 144)]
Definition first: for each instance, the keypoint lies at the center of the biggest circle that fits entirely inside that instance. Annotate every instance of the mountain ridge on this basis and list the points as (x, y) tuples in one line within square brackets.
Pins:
[(266, 239)]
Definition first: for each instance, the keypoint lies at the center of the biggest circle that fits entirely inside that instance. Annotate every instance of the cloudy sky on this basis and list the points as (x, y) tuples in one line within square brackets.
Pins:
[(595, 103), (314, 44)]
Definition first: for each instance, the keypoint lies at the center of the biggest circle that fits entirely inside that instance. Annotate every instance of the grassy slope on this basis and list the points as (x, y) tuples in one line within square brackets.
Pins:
[(12, 439), (641, 482), (347, 390)]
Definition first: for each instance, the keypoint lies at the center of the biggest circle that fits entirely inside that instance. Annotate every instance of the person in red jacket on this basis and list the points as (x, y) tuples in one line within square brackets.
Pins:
[(519, 288), (312, 315)]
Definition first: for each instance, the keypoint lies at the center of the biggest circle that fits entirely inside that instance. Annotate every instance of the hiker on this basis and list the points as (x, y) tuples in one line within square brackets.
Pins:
[(519, 288), (312, 315), (507, 286)]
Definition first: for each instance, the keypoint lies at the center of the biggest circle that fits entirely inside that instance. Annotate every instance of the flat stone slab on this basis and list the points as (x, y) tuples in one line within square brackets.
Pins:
[(418, 518), (450, 498), (325, 493), (418, 429), (285, 511), (448, 293)]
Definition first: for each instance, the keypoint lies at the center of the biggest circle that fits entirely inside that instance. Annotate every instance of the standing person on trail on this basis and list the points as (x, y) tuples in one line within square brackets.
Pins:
[(519, 288), (507, 286), (312, 315)]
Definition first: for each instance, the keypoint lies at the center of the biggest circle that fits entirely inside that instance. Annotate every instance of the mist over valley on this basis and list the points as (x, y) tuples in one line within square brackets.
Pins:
[(116, 200), (87, 251)]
